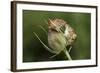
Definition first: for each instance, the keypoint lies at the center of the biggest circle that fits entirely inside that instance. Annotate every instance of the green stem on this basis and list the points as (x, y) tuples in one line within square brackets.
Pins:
[(43, 30), (70, 49), (67, 54)]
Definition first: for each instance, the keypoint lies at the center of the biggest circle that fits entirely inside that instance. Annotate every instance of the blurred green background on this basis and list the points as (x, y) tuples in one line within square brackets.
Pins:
[(34, 51)]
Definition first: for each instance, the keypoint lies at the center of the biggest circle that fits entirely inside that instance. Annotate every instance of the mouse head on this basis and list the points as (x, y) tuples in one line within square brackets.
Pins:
[(56, 24)]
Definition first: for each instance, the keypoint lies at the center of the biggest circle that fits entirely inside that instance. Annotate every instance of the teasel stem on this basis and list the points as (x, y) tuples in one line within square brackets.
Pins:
[(43, 29), (67, 54), (70, 49)]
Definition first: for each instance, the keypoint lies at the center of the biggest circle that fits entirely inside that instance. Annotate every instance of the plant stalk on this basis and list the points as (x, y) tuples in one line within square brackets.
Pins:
[(67, 54)]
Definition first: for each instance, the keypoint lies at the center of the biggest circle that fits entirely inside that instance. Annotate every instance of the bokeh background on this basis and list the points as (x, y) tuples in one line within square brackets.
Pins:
[(33, 50)]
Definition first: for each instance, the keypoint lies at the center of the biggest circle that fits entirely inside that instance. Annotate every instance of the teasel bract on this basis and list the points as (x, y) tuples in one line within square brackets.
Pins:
[(58, 39)]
